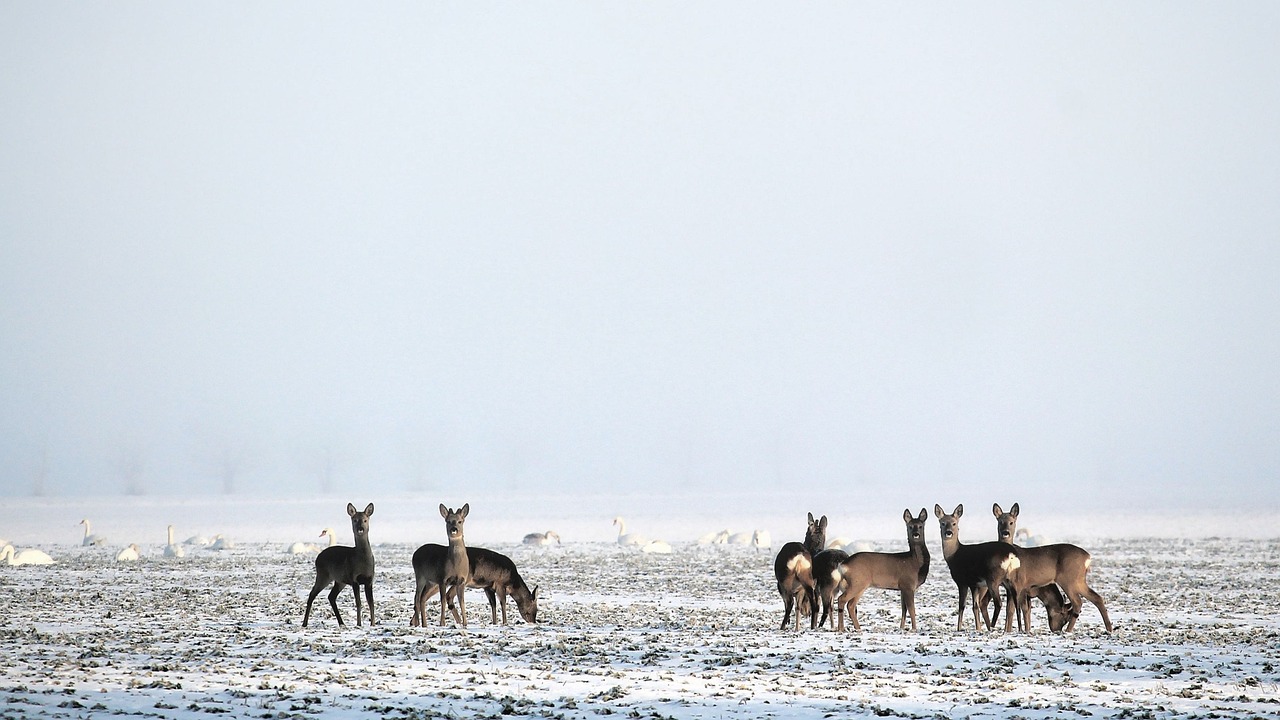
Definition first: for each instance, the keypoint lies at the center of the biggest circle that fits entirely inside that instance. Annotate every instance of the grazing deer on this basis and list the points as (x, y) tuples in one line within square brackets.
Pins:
[(491, 571), (793, 569), (345, 566), (1061, 563), (826, 579), (903, 571), (975, 568)]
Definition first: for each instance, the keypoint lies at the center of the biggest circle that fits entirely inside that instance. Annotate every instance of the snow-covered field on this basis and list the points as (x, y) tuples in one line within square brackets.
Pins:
[(693, 634)]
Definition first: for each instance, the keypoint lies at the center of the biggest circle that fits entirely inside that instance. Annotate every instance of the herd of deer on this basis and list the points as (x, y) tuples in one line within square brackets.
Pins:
[(809, 576), (812, 578), (449, 570)]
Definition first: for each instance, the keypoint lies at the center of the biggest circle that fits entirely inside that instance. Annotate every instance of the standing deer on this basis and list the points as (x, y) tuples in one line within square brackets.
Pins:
[(345, 566), (454, 569), (1061, 563), (826, 579), (975, 568), (491, 571), (793, 569), (903, 571)]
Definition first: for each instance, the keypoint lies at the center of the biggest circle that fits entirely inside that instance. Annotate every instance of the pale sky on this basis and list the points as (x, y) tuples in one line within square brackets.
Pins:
[(959, 248)]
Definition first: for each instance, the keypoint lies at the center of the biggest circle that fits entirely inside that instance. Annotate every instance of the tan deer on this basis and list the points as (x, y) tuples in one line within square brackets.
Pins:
[(1062, 563), (903, 571)]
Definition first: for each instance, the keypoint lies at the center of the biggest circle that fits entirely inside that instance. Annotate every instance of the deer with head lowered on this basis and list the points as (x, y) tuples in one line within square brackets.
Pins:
[(345, 566), (793, 569), (984, 567), (1057, 609), (903, 571), (491, 571), (1061, 563)]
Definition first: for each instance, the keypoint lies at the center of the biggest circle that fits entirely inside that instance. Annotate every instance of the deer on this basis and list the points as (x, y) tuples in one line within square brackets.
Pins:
[(793, 569), (983, 567), (826, 579), (902, 571), (343, 566), (1062, 563), (491, 571), (448, 571)]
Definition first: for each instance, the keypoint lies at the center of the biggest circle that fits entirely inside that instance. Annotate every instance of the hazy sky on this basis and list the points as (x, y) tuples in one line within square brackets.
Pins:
[(969, 249)]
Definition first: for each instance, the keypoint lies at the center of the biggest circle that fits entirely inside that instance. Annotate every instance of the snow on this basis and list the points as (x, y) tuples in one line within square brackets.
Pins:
[(693, 634)]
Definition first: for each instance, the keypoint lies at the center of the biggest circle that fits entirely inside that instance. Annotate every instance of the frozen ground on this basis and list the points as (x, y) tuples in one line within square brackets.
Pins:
[(688, 635)]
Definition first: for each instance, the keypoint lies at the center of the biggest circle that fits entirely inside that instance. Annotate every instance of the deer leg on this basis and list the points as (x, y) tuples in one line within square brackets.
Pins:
[(787, 601), (333, 601), (1089, 594), (492, 596), (964, 593), (315, 590), (909, 602), (368, 593), (995, 599), (355, 591)]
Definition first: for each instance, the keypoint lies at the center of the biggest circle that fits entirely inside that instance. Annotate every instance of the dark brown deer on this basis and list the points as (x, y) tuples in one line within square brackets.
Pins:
[(491, 571), (1062, 563), (903, 571), (793, 569), (984, 567), (826, 579), (345, 566)]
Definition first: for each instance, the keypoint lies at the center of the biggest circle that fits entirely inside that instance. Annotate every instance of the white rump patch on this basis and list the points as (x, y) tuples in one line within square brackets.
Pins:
[(1010, 563), (799, 563)]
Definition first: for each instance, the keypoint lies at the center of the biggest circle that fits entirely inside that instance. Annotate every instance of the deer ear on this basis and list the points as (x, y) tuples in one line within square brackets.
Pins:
[(369, 510), (1014, 510), (444, 511), (959, 510), (937, 511), (995, 509), (351, 509), (534, 594), (906, 515), (923, 515), (823, 523), (811, 520), (466, 508)]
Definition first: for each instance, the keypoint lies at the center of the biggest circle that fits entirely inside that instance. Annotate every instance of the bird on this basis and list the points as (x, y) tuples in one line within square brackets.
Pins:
[(89, 537), (626, 538), (221, 543), (25, 556), (301, 548), (739, 538), (714, 538), (761, 539), (656, 547), (543, 538), (172, 550), (129, 554), (1024, 538), (196, 540)]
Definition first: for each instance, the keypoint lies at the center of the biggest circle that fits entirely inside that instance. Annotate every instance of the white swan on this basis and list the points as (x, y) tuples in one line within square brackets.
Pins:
[(129, 554), (857, 546), (761, 539), (172, 550), (221, 543), (542, 538), (740, 538), (656, 547), (626, 538), (196, 540), (89, 537), (301, 548), (838, 543), (714, 538), (1024, 538), (25, 556)]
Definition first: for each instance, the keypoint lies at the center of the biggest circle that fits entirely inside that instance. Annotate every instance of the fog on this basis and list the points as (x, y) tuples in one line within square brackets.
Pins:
[(967, 252)]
